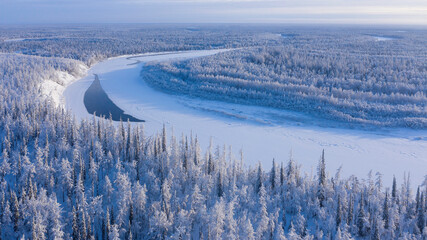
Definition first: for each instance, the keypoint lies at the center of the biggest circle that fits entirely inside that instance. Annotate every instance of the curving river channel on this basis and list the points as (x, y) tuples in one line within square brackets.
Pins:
[(262, 133)]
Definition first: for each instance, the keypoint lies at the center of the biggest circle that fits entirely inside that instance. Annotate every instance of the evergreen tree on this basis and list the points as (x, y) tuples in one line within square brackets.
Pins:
[(350, 211), (166, 197), (15, 211), (362, 229), (217, 220), (376, 235), (6, 228), (262, 225), (292, 235), (54, 227), (211, 166), (282, 175), (230, 222), (38, 228), (82, 224), (273, 175), (75, 226), (114, 233), (259, 180), (386, 217), (322, 180), (339, 213), (421, 222), (164, 143), (246, 230), (220, 189), (394, 190)]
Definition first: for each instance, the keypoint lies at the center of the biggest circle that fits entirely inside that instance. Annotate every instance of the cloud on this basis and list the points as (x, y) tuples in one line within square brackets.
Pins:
[(319, 10)]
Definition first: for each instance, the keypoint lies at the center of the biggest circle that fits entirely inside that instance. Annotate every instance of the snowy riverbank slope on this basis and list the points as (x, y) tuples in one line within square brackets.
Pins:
[(55, 85)]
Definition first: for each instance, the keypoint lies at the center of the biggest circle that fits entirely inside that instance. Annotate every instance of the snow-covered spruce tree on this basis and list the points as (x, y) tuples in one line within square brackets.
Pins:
[(322, 180)]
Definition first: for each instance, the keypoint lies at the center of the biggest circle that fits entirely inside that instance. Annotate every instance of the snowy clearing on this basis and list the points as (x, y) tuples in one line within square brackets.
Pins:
[(262, 133)]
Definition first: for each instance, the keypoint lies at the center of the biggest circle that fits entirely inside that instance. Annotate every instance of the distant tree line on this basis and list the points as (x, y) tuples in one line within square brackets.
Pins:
[(91, 44)]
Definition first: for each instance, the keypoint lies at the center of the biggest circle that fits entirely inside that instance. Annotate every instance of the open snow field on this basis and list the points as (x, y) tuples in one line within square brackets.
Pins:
[(262, 133)]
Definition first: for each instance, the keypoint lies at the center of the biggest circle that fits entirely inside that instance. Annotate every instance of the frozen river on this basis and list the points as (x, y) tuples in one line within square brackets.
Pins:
[(262, 133)]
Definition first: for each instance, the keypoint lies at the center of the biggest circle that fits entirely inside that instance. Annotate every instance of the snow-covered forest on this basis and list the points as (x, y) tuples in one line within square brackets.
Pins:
[(92, 43), (337, 75), (96, 179)]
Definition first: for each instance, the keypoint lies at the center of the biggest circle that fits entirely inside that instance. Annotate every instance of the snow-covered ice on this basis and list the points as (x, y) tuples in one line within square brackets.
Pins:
[(382, 38), (262, 133)]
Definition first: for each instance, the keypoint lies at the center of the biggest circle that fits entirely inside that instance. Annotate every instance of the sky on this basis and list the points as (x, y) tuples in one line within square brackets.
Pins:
[(374, 12)]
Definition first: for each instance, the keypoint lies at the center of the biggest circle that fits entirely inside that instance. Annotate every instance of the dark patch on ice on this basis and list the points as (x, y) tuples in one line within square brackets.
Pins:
[(193, 29), (97, 102), (419, 138)]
